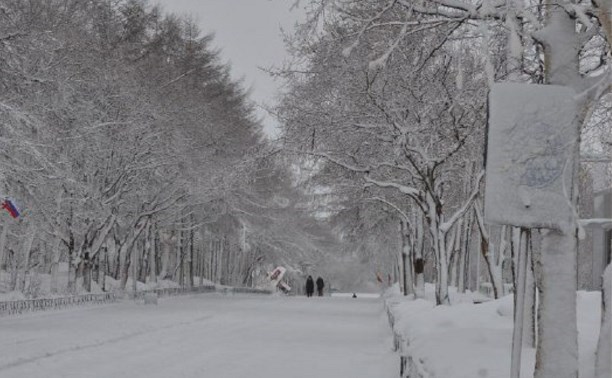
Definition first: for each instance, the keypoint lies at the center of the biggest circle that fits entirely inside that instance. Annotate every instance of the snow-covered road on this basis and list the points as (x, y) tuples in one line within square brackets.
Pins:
[(203, 336)]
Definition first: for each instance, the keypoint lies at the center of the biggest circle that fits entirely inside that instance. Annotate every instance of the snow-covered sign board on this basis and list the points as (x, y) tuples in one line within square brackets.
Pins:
[(532, 142)]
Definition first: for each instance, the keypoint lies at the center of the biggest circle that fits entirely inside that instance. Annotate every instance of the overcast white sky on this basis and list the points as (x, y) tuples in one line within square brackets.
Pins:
[(248, 32)]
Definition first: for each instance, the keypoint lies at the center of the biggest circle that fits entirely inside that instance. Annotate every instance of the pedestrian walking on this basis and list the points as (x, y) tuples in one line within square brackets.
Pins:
[(320, 286), (309, 286)]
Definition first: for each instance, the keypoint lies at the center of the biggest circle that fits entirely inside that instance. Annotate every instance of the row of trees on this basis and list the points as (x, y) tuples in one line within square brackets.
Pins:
[(131, 152), (389, 98)]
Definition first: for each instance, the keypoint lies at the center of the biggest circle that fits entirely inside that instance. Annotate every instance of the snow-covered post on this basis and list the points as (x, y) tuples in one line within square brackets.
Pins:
[(519, 243), (603, 362)]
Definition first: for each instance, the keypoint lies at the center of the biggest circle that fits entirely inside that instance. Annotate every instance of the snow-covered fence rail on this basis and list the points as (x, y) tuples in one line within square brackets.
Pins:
[(44, 304), (171, 291), (249, 290), (409, 367), (166, 292)]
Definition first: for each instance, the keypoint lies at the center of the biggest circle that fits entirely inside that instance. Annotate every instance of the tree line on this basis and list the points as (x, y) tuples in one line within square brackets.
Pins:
[(130, 151)]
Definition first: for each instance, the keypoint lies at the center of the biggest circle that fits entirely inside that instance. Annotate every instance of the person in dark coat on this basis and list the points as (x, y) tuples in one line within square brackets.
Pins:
[(320, 286), (309, 286)]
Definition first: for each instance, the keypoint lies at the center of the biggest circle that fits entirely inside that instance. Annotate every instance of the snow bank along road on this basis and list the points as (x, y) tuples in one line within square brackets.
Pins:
[(203, 336)]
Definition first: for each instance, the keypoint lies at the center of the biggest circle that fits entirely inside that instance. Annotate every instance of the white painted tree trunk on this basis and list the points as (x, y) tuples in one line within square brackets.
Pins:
[(603, 362)]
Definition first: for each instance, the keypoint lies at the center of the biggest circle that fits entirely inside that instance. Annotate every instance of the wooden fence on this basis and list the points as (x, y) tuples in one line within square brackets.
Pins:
[(44, 304)]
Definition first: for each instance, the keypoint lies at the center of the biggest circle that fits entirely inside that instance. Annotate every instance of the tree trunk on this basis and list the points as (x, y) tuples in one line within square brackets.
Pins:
[(190, 262), (111, 257), (55, 265), (103, 267), (124, 252), (86, 267), (165, 242), (557, 328), (439, 249), (150, 247), (419, 262), (25, 252), (178, 269), (201, 265), (494, 262), (556, 270), (465, 250), (456, 253), (406, 264), (124, 264), (71, 268), (5, 228), (134, 262)]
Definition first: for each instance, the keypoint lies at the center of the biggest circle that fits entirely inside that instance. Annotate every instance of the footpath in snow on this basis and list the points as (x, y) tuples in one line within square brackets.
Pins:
[(469, 340), (209, 335)]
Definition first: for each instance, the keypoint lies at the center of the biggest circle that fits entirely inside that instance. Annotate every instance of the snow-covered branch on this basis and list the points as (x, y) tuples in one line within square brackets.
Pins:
[(604, 223), (409, 190), (392, 205), (444, 227)]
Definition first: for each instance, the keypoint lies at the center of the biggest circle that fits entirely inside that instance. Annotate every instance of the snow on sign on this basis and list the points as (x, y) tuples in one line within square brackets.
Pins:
[(532, 141)]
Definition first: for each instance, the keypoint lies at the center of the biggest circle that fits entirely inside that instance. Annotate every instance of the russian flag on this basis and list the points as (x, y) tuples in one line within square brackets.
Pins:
[(10, 207)]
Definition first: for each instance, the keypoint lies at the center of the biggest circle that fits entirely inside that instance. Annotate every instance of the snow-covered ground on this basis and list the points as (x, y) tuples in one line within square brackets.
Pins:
[(469, 340), (207, 335)]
